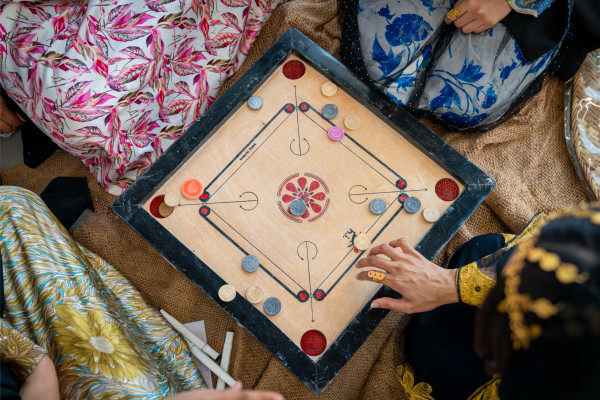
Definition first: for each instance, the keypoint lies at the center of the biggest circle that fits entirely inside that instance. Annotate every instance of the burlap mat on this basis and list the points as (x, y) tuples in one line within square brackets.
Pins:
[(527, 156)]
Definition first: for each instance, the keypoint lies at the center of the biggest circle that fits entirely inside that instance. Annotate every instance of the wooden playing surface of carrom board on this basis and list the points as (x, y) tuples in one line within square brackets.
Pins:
[(254, 163)]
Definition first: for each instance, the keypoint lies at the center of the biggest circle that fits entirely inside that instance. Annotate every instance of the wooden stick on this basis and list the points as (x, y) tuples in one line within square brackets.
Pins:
[(226, 354), (193, 339)]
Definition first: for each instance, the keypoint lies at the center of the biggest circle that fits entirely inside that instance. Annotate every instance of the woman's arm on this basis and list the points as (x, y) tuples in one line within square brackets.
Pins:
[(42, 384), (28, 364), (233, 393), (476, 16), (423, 284)]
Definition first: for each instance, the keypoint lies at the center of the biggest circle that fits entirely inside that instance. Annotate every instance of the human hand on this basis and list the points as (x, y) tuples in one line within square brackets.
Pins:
[(42, 383), (422, 284), (9, 121), (476, 16), (233, 393)]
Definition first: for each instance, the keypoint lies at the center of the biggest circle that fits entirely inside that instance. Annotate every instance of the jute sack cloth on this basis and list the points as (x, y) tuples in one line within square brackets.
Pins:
[(527, 156)]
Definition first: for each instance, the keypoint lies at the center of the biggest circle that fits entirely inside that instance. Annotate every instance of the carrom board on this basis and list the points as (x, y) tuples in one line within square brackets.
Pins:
[(254, 162)]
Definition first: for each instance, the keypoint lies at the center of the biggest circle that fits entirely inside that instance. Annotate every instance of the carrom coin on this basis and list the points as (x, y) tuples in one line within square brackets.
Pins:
[(362, 242), (272, 306), (377, 206), (172, 199), (352, 121), (164, 210), (250, 263), (255, 102), (254, 294), (412, 205), (192, 189), (335, 133), (227, 293), (329, 89), (431, 214), (297, 208), (330, 111)]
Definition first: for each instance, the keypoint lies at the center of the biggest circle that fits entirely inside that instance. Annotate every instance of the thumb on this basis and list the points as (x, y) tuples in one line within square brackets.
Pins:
[(393, 304)]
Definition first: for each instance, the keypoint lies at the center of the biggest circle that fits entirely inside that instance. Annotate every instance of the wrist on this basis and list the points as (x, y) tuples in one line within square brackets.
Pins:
[(449, 292)]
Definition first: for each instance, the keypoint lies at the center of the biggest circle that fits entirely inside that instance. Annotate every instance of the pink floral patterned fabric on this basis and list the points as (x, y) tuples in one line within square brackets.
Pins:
[(116, 82)]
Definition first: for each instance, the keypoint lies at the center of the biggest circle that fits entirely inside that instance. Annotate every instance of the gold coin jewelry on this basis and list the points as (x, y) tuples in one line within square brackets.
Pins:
[(454, 13), (376, 276)]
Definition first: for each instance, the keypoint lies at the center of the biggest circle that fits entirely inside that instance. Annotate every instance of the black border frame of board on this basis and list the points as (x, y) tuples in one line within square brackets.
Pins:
[(315, 375)]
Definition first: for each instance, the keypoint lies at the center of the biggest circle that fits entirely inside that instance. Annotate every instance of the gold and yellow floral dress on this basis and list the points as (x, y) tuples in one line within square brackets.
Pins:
[(105, 340)]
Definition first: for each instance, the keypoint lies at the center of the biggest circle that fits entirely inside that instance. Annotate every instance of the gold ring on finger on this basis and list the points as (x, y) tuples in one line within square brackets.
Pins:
[(454, 13), (376, 276)]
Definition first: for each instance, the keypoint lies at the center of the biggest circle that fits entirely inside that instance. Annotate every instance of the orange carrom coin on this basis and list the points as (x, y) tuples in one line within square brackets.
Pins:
[(192, 188)]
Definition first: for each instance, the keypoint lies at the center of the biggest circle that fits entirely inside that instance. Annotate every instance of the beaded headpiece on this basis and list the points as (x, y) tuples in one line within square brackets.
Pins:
[(516, 304)]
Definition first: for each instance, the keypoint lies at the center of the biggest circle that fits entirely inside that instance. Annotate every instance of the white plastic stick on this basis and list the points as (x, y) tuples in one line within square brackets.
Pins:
[(225, 356), (212, 365), (193, 339)]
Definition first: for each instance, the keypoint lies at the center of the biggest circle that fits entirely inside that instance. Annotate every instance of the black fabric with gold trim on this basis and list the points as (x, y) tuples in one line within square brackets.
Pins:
[(439, 343)]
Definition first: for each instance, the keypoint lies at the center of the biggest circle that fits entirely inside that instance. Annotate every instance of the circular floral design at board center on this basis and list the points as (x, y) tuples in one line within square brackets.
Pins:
[(308, 188)]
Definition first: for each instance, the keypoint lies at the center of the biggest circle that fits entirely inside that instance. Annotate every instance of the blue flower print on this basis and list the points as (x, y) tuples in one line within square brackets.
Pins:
[(455, 95), (470, 72), (406, 82), (490, 98), (429, 5), (385, 12), (407, 29), (519, 55), (388, 63), (506, 71), (446, 98)]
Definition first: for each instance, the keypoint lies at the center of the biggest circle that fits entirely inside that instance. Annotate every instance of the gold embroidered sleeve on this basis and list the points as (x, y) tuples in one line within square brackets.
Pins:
[(473, 285), (20, 354)]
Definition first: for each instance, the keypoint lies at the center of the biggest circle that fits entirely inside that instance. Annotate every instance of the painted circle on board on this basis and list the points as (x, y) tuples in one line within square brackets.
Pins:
[(306, 193), (293, 69), (302, 296), (319, 294), (401, 183), (155, 205), (313, 342), (447, 189)]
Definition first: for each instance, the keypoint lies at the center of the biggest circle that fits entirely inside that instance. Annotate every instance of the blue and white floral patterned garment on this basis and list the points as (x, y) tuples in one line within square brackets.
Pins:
[(476, 77)]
